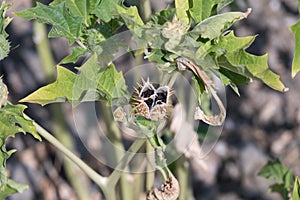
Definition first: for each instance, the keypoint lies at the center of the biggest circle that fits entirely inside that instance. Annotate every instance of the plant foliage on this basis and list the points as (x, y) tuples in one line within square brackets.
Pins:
[(194, 29), (202, 36), (4, 21), (285, 183), (296, 32), (12, 121)]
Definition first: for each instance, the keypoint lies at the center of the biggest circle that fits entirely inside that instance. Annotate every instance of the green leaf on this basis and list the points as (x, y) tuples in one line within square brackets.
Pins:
[(4, 21), (182, 7), (222, 4), (12, 121), (3, 93), (280, 189), (149, 128), (112, 83), (162, 17), (214, 26), (296, 190), (258, 67), (227, 43), (76, 53), (231, 78), (130, 16), (64, 24), (201, 10), (81, 8), (196, 10), (106, 10), (58, 91), (296, 60), (4, 47), (77, 7), (11, 187), (93, 83), (282, 175)]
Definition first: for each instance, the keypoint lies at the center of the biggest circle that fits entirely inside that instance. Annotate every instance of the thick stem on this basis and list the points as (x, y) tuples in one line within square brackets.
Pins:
[(97, 178), (116, 174), (183, 178), (114, 135), (150, 175), (59, 127)]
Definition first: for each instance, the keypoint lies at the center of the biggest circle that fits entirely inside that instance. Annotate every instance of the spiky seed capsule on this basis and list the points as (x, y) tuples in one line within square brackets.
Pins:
[(152, 103)]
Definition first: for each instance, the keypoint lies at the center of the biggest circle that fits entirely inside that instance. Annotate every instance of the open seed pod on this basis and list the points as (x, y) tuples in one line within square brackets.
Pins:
[(152, 103), (169, 190)]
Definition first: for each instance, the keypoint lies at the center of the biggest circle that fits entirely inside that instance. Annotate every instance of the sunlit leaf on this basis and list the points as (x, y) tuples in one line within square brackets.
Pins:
[(92, 83), (58, 91), (201, 10), (258, 66), (182, 7), (296, 190), (196, 10)]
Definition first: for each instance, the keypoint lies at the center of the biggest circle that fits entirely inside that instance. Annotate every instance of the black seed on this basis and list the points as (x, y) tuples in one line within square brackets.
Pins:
[(161, 97), (147, 93), (149, 103)]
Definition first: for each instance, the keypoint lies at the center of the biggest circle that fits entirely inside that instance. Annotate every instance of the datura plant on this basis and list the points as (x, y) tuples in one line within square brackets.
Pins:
[(194, 37)]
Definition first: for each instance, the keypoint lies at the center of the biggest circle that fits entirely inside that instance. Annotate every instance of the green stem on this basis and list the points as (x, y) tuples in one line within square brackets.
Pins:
[(183, 178), (43, 48), (115, 137), (59, 127), (97, 178), (150, 175), (116, 174), (70, 169), (145, 10)]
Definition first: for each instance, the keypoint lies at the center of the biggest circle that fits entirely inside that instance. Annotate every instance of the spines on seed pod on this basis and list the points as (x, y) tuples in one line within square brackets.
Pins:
[(150, 102)]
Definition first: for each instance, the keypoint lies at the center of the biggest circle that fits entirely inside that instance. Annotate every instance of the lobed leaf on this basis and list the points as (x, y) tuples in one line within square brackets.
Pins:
[(64, 24), (258, 67), (58, 91), (12, 121), (282, 175), (93, 83)]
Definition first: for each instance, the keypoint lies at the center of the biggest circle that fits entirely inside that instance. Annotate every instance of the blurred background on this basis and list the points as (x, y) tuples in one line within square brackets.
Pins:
[(261, 124)]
